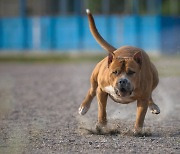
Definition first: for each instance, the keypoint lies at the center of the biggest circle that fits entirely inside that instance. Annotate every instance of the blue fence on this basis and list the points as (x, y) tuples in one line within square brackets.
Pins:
[(67, 33)]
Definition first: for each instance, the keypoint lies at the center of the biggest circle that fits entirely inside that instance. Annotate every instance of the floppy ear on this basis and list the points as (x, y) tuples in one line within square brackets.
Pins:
[(110, 58), (138, 57)]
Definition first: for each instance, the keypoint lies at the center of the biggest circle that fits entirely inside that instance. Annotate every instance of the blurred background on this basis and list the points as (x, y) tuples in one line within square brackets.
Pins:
[(62, 26), (47, 54)]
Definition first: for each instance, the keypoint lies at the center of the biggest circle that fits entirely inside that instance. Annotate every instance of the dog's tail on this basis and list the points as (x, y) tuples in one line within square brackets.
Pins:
[(96, 34)]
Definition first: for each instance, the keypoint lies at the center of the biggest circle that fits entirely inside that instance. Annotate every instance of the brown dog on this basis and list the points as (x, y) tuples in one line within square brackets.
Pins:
[(126, 75)]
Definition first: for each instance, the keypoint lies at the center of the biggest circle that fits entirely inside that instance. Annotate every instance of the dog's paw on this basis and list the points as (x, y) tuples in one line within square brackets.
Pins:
[(137, 132), (101, 128), (83, 109), (142, 133), (154, 109)]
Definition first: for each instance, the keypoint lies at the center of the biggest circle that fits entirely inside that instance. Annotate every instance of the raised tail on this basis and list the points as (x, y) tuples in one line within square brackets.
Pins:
[(96, 34)]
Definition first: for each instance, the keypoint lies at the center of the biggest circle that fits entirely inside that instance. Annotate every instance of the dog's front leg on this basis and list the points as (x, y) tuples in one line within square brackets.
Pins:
[(102, 102), (142, 106)]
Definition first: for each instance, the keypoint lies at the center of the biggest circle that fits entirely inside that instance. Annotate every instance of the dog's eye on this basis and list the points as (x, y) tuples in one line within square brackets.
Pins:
[(130, 72), (116, 72)]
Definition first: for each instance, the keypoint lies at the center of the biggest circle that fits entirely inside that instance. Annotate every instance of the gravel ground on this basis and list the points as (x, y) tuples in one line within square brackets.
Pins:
[(39, 114)]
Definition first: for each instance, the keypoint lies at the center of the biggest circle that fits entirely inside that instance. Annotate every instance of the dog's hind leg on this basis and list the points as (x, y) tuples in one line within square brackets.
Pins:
[(153, 107), (84, 107)]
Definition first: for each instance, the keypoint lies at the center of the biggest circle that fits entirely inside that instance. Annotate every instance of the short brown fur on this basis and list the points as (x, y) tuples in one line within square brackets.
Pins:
[(143, 79)]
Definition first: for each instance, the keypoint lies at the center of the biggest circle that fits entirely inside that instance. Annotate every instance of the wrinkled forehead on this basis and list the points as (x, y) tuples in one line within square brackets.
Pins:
[(123, 63)]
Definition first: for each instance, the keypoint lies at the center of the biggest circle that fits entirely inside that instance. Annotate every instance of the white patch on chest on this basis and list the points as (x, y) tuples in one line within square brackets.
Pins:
[(110, 90)]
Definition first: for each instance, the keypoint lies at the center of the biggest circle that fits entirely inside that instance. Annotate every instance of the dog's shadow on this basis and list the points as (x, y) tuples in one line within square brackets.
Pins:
[(125, 129), (99, 131), (113, 128)]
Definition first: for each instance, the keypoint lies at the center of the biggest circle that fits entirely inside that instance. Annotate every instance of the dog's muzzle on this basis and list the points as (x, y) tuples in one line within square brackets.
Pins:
[(123, 88)]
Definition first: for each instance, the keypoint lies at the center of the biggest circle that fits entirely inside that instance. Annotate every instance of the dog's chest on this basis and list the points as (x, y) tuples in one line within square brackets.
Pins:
[(115, 97)]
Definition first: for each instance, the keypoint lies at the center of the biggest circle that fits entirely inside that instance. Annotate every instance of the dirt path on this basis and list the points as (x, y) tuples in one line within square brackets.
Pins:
[(38, 114)]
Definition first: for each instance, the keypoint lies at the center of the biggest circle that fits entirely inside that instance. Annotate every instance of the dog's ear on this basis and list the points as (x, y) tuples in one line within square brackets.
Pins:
[(138, 57), (110, 58)]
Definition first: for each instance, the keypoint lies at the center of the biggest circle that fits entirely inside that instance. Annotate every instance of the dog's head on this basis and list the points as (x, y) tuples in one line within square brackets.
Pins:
[(124, 73)]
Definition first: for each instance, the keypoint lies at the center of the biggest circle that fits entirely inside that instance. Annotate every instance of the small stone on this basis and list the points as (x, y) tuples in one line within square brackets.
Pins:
[(90, 143)]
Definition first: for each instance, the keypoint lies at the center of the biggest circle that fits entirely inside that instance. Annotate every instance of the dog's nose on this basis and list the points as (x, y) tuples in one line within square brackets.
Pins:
[(123, 82)]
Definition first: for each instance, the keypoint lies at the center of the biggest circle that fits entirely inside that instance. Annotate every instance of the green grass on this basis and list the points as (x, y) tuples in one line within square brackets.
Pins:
[(51, 58), (166, 65)]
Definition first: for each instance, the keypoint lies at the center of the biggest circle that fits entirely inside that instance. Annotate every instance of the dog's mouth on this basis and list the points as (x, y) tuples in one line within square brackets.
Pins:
[(122, 92)]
